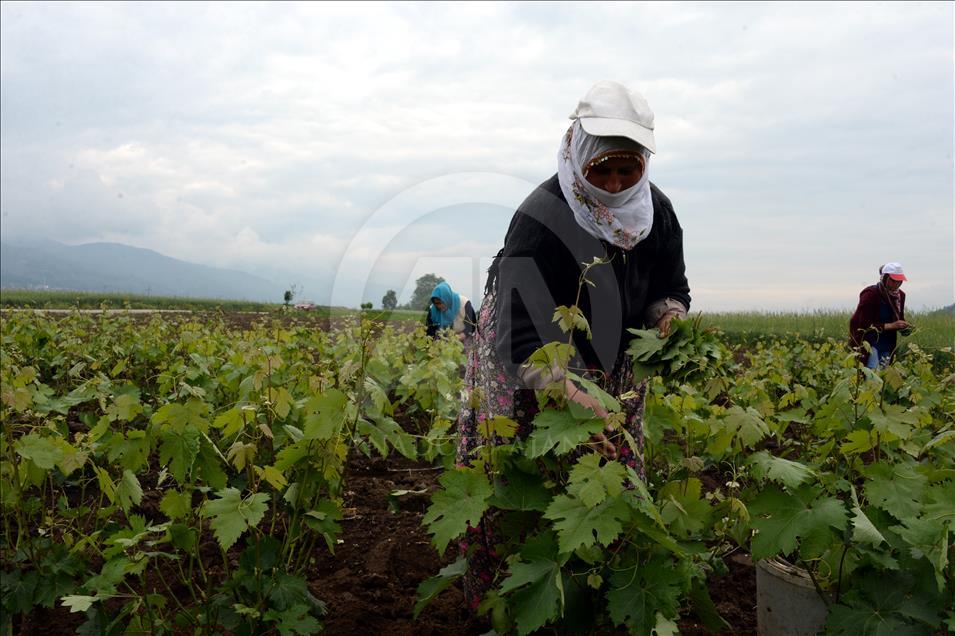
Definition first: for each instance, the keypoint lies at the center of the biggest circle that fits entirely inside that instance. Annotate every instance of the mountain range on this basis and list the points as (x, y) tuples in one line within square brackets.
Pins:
[(113, 267)]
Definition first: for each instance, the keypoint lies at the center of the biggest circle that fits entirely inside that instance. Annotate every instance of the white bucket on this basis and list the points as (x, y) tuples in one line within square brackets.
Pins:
[(787, 603)]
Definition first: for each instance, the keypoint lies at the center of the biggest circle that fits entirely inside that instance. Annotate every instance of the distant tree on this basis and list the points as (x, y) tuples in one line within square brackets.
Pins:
[(390, 301), (421, 297), (367, 305), (290, 294)]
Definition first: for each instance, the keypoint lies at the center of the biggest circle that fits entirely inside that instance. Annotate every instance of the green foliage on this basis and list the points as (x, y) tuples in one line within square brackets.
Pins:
[(936, 330), (643, 596), (784, 447), (461, 502), (560, 431), (780, 518), (61, 299), (431, 587), (845, 471), (688, 351), (421, 296), (242, 434), (232, 514), (389, 300)]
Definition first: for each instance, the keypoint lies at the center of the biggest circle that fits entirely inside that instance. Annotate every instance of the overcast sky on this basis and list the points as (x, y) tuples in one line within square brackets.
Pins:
[(351, 148)]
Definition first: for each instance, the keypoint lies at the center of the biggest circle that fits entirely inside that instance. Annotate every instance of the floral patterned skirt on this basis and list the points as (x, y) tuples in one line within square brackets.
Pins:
[(490, 392)]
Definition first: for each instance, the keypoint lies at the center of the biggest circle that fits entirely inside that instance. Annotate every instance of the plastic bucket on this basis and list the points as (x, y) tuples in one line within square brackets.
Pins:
[(787, 603)]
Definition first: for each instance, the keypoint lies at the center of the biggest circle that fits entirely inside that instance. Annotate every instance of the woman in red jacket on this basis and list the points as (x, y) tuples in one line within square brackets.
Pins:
[(880, 316)]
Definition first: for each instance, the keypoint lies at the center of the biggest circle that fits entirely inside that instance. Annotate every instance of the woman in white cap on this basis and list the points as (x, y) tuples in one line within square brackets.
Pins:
[(600, 204), (879, 317)]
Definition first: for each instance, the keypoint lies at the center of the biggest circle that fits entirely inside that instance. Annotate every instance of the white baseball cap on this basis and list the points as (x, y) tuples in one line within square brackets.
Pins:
[(610, 109), (893, 270)]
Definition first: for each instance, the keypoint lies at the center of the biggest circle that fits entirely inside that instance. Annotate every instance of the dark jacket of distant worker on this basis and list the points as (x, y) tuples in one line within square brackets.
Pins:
[(450, 310), (880, 316), (600, 204)]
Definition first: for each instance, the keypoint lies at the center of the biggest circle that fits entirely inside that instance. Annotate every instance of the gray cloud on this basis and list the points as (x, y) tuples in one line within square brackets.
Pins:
[(802, 144)]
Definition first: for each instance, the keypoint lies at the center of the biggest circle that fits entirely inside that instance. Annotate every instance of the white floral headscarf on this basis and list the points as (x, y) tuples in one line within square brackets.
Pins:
[(623, 218)]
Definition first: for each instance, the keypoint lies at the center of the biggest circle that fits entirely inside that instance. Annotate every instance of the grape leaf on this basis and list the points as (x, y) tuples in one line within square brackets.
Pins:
[(232, 515), (386, 431), (128, 491), (685, 512), (561, 431), (125, 407), (272, 475), (781, 518), (231, 422), (929, 539), (324, 520), (430, 588), (178, 450), (539, 598), (881, 606), (176, 505), (324, 415), (78, 603), (860, 441), (208, 467), (294, 620), (517, 490), (788, 473), (192, 414), (462, 502), (580, 525), (863, 530), (282, 402), (645, 344), (42, 451), (552, 355), (940, 504), (896, 420), (593, 483), (897, 489), (638, 594), (941, 438), (606, 400), (503, 427), (747, 425), (570, 318), (743, 426)]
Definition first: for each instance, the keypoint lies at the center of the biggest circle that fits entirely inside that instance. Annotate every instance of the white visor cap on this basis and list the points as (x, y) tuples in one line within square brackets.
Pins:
[(610, 109)]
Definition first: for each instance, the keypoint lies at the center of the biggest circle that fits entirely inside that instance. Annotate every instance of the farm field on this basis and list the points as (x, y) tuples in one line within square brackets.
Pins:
[(228, 472), (41, 299)]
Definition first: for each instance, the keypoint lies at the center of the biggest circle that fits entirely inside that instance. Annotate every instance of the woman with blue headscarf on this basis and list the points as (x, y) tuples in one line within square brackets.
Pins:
[(450, 310)]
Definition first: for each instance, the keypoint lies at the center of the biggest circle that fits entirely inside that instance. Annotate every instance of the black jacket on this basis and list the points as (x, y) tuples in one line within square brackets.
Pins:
[(540, 266)]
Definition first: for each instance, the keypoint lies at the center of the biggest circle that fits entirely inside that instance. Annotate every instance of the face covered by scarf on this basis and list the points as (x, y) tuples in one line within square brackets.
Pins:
[(893, 296), (623, 218), (452, 305)]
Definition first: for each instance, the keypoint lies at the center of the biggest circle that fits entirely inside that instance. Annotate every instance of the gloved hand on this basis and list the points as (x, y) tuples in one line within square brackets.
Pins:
[(664, 323)]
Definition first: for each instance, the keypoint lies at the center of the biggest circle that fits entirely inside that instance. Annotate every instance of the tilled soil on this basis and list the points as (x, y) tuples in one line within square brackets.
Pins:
[(370, 583)]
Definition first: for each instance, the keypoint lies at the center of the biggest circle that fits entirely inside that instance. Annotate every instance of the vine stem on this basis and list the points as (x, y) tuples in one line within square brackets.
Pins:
[(815, 583), (842, 560), (17, 489)]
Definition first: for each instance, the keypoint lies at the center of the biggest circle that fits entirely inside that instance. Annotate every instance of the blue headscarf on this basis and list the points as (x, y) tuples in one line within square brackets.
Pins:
[(452, 305)]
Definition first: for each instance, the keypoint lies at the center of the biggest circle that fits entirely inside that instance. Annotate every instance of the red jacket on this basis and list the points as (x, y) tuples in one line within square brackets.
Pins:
[(868, 321)]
